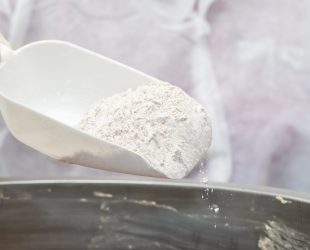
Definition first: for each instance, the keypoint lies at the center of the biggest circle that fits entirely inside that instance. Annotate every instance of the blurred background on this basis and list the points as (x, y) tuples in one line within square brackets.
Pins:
[(246, 61)]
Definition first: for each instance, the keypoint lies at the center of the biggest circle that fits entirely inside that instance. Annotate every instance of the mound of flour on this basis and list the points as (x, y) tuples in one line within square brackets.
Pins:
[(158, 121)]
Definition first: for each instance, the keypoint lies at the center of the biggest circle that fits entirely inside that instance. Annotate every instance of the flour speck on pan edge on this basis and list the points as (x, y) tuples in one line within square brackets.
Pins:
[(158, 121)]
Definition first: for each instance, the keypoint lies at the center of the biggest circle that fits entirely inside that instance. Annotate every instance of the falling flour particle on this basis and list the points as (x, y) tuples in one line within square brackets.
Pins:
[(158, 121), (215, 208), (204, 180)]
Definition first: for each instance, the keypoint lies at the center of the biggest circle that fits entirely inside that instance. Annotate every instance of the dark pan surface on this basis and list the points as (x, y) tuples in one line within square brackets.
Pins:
[(107, 215)]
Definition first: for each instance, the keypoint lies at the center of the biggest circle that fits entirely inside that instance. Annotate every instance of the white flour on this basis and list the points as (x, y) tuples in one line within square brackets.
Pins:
[(158, 121)]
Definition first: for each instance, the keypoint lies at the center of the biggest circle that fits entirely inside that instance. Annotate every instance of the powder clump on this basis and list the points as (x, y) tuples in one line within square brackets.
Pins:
[(158, 121)]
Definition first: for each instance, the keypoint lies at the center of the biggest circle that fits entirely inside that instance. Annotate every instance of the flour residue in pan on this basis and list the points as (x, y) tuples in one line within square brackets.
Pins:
[(279, 236)]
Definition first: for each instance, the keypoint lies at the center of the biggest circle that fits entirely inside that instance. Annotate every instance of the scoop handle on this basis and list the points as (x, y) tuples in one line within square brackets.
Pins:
[(5, 53), (5, 49)]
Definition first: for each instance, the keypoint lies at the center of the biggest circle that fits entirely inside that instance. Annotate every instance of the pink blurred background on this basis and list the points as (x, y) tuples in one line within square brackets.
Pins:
[(247, 61)]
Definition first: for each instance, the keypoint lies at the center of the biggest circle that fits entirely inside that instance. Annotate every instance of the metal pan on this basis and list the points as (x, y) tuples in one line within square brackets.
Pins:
[(120, 214)]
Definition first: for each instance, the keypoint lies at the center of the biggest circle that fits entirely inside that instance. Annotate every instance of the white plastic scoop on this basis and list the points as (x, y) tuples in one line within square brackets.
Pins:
[(46, 88)]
